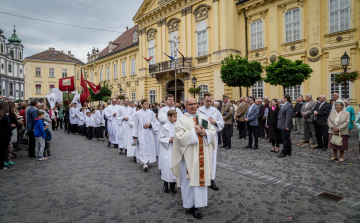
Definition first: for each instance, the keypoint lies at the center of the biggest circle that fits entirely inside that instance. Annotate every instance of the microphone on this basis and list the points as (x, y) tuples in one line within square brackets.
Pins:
[(197, 119)]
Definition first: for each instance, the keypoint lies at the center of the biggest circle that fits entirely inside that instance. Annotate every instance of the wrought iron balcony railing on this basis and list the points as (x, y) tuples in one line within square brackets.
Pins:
[(170, 65)]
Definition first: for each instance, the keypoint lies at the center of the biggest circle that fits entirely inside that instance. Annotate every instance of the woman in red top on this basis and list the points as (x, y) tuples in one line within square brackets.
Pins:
[(22, 113)]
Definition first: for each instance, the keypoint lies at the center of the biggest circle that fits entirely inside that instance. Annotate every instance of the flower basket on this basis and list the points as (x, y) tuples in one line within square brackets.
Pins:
[(347, 77), (122, 97), (194, 90)]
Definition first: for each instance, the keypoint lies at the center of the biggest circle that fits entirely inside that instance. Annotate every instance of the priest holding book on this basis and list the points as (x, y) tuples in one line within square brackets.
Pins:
[(191, 158)]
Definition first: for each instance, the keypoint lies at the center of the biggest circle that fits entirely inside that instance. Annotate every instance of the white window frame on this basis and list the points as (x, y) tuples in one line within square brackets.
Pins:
[(257, 33), (115, 71), (152, 96), (133, 95), (292, 23), (291, 92), (101, 75), (203, 89), (37, 91), (173, 52), (107, 73), (37, 71), (123, 69), (339, 87), (92, 76), (255, 89), (151, 50), (51, 72), (338, 11), (132, 62), (201, 28), (64, 73)]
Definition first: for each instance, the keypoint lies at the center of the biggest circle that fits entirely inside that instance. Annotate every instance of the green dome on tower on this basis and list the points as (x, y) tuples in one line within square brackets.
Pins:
[(14, 39)]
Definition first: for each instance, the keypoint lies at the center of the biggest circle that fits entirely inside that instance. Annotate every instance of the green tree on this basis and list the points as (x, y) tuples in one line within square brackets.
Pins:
[(104, 92), (287, 73), (239, 72)]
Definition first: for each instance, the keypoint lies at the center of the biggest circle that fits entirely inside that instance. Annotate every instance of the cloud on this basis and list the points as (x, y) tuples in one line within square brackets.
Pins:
[(38, 36)]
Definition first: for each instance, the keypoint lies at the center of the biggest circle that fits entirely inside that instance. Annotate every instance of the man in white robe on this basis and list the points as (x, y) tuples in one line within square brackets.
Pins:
[(131, 145), (124, 132), (163, 119), (100, 123), (74, 119), (113, 126), (191, 157), (143, 132), (217, 122)]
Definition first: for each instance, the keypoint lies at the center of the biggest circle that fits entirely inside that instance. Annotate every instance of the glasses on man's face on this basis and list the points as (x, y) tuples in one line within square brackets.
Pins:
[(193, 104)]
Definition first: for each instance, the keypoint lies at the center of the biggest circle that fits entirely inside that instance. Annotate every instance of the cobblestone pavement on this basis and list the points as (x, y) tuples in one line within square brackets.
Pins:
[(87, 182)]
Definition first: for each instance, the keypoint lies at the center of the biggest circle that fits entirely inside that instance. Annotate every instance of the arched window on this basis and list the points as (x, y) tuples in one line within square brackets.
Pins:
[(152, 96), (203, 89), (152, 51), (201, 38), (173, 46), (11, 92)]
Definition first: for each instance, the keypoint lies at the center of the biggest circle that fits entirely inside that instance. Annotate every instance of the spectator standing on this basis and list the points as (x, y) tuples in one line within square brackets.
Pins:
[(39, 133), (338, 122), (48, 138), (298, 116), (252, 122), (67, 118), (31, 116), (321, 114), (261, 121), (335, 99), (350, 109), (23, 115), (61, 117), (285, 124), (272, 120), (5, 133), (227, 112), (43, 108), (357, 124), (307, 114), (266, 110), (240, 117)]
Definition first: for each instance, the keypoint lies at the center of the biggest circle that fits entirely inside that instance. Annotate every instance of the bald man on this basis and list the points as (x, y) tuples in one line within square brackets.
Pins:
[(336, 98), (321, 113)]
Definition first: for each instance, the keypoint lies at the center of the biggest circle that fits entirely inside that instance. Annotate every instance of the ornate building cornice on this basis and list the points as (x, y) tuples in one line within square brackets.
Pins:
[(201, 12)]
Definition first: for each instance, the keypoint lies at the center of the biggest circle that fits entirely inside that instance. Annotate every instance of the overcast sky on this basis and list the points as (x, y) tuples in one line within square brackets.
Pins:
[(38, 36)]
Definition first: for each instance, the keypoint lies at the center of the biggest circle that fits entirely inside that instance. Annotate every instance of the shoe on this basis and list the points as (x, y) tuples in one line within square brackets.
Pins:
[(213, 185), (223, 146), (68, 133), (333, 158), (304, 141), (11, 163), (6, 164), (318, 147), (247, 147), (324, 149), (282, 155), (341, 160), (227, 147), (50, 156), (125, 151), (173, 187), (5, 168), (115, 145), (272, 151), (145, 167), (120, 151), (276, 151), (297, 133), (45, 158), (134, 159), (255, 147), (109, 144), (196, 213), (40, 159), (166, 187)]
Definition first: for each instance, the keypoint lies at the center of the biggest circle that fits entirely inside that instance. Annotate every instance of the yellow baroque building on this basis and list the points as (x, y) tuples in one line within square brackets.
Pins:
[(317, 32)]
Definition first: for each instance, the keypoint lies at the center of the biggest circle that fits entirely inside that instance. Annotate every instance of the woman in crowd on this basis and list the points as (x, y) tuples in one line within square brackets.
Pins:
[(5, 134), (14, 126), (54, 116), (350, 109), (338, 122), (23, 115), (272, 120), (61, 116)]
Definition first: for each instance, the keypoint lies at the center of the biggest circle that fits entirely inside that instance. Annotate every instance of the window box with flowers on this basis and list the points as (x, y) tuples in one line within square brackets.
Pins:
[(346, 77), (194, 90)]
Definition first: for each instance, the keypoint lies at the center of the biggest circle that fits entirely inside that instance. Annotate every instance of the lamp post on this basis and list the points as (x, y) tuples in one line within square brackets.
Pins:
[(193, 80), (345, 61)]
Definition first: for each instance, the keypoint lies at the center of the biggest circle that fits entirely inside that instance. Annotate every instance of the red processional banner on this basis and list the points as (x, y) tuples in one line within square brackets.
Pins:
[(84, 92), (67, 84)]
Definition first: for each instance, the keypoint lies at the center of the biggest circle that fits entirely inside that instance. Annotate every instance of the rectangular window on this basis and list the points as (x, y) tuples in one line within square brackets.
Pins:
[(294, 92), (37, 72), (64, 73), (51, 86), (292, 25), (51, 72), (133, 67), (77, 75), (92, 76), (202, 43), (203, 89), (257, 90), (133, 95), (257, 35), (107, 73), (115, 71), (123, 69), (152, 54), (152, 96), (339, 11), (342, 89), (101, 75), (38, 89)]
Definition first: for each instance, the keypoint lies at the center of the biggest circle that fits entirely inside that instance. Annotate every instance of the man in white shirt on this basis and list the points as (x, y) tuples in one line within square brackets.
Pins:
[(336, 99)]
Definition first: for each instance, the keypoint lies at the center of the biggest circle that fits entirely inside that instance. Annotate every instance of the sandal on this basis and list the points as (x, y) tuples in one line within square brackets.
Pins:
[(341, 160), (272, 151), (333, 158)]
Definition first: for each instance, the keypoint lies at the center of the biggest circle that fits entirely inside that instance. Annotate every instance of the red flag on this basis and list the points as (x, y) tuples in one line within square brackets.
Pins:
[(96, 88), (84, 94), (67, 84), (181, 55), (148, 59)]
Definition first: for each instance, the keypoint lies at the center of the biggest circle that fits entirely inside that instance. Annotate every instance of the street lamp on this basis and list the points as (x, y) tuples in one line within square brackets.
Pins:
[(193, 80), (345, 60), (120, 90)]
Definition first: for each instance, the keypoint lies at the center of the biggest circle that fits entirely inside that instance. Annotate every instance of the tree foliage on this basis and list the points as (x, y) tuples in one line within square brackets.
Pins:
[(104, 92), (239, 72), (287, 73)]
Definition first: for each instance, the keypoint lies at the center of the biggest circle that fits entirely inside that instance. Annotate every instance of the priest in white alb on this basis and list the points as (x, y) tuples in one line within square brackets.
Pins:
[(218, 123), (194, 141), (74, 119), (122, 117), (113, 125)]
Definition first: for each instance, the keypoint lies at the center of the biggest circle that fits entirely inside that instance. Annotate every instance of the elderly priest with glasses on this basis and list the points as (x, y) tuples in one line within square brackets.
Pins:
[(194, 141)]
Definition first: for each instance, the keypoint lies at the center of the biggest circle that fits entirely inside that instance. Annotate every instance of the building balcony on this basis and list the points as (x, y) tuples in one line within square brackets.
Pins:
[(166, 68)]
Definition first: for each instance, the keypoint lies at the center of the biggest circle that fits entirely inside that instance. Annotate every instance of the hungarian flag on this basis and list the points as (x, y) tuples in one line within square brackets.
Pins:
[(67, 84), (96, 88), (148, 60), (84, 93)]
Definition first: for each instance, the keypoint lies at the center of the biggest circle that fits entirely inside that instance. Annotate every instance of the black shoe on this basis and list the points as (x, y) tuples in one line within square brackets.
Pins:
[(166, 187), (247, 147), (228, 147), (134, 159), (318, 147), (272, 151), (223, 146), (68, 133), (109, 144), (324, 149), (255, 147), (282, 155), (115, 145), (173, 187), (213, 185), (196, 213)]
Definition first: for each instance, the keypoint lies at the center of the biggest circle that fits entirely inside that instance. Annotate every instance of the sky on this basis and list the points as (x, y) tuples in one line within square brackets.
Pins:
[(37, 36)]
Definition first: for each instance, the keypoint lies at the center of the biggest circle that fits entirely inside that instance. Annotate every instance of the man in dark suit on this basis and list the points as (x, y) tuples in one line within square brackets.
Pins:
[(227, 112), (252, 122), (261, 121), (285, 124), (30, 117), (321, 113)]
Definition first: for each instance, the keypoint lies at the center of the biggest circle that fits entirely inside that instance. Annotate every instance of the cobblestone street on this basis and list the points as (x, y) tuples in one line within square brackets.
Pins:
[(86, 181)]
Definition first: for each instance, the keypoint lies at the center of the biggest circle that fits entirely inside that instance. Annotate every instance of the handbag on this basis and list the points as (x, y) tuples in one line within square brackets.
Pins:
[(336, 140)]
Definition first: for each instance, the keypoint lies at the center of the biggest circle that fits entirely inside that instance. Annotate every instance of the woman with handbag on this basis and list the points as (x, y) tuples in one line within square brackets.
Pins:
[(338, 122), (271, 124)]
